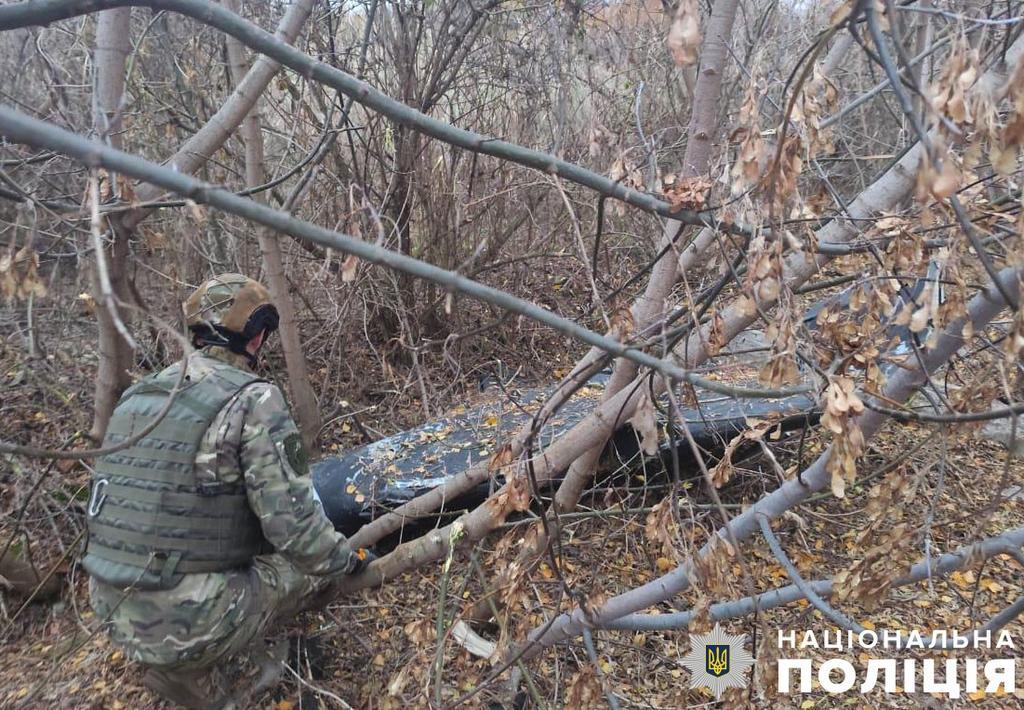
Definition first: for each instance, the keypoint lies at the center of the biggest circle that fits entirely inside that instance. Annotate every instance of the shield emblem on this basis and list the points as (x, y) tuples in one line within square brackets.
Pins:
[(717, 662)]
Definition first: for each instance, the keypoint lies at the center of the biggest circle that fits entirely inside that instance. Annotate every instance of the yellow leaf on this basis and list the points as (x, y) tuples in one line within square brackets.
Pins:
[(491, 419), (285, 705), (664, 564), (350, 489), (960, 579), (345, 429), (805, 705)]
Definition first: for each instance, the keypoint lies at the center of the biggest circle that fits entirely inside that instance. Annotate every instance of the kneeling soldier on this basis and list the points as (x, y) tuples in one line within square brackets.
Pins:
[(207, 529)]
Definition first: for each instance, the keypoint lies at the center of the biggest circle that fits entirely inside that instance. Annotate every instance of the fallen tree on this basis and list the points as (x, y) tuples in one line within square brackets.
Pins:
[(982, 309), (1009, 543), (771, 250)]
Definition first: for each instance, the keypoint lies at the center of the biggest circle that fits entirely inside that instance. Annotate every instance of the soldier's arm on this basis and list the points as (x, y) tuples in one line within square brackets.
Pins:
[(280, 490)]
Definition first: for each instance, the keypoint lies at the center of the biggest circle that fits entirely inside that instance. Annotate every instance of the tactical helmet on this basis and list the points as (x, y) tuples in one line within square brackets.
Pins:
[(230, 310)]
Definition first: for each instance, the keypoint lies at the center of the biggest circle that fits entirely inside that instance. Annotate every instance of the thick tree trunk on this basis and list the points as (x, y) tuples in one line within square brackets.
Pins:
[(399, 209), (829, 65), (703, 129), (114, 359), (303, 398), (113, 42)]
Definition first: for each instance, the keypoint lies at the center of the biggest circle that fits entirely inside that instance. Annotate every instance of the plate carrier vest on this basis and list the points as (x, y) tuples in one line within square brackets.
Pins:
[(150, 521)]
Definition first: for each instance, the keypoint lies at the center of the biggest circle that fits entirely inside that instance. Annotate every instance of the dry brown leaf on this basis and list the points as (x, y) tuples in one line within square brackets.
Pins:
[(622, 323), (125, 189), (584, 690), (513, 498), (19, 275), (684, 34), (645, 424), (660, 527), (716, 335), (501, 458), (348, 268), (686, 193)]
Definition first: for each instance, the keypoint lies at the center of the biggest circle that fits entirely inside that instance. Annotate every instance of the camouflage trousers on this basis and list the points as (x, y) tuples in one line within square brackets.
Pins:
[(207, 617)]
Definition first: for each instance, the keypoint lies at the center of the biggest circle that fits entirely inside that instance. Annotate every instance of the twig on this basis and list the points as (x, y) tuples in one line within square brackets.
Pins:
[(102, 270), (442, 596), (906, 105), (43, 12), (909, 415), (320, 691), (820, 604), (22, 128), (1008, 543), (588, 642)]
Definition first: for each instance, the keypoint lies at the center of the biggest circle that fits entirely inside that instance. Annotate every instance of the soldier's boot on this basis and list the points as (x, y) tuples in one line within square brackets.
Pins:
[(185, 688), (270, 660)]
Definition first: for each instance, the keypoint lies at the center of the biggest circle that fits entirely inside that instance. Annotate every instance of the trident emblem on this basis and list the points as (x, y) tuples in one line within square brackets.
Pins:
[(717, 663)]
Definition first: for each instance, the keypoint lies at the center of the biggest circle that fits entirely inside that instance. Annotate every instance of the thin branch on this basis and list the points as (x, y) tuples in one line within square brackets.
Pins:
[(909, 415), (44, 12), (102, 270), (889, 65), (981, 309), (820, 604), (21, 128), (1008, 543)]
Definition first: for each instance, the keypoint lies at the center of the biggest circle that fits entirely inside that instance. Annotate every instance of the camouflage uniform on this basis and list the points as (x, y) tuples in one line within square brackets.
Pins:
[(209, 616)]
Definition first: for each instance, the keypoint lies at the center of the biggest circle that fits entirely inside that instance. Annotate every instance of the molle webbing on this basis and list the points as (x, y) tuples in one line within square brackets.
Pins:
[(150, 519)]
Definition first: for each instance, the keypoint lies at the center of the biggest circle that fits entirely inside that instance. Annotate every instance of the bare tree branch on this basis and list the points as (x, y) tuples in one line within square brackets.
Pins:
[(981, 309), (1008, 543), (24, 129), (43, 12)]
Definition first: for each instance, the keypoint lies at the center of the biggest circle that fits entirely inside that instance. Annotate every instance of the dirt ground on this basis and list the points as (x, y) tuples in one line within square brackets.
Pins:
[(378, 649)]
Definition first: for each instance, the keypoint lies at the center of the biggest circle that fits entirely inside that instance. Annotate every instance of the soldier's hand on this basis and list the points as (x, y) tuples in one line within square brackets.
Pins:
[(364, 557)]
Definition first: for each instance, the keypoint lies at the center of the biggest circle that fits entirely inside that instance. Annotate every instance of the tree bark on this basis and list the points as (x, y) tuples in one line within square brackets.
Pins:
[(115, 357), (303, 398), (113, 43)]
